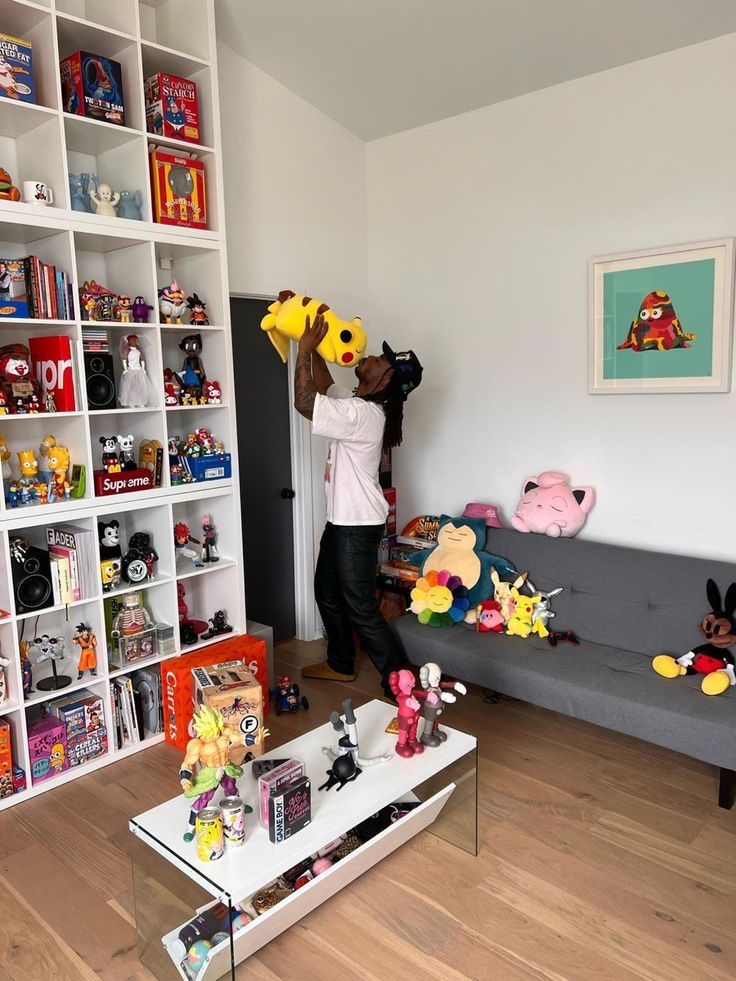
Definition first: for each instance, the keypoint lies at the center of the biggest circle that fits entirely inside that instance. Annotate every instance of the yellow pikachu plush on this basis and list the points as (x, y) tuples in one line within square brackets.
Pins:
[(502, 592), (520, 623), (344, 344)]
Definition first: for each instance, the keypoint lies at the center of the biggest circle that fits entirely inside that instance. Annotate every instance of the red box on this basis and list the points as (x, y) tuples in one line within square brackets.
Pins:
[(390, 494), (171, 107), (125, 482), (178, 186), (6, 760), (176, 681), (92, 86), (51, 357)]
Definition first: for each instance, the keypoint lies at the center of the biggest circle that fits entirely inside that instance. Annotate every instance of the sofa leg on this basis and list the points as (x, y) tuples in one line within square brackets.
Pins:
[(726, 788)]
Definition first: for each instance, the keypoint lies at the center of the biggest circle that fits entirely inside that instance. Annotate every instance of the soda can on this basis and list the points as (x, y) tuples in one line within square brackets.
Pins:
[(209, 834), (233, 820)]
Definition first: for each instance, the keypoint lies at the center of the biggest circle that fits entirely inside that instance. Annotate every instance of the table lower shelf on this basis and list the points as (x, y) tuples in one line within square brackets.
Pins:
[(222, 959)]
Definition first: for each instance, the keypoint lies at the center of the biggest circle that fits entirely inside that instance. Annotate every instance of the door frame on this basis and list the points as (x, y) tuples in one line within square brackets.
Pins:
[(305, 607)]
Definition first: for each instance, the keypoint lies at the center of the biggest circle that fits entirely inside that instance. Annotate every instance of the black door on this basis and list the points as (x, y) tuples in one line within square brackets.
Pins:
[(264, 447)]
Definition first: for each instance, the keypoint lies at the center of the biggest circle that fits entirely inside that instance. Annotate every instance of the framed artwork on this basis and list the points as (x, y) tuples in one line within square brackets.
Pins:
[(661, 320)]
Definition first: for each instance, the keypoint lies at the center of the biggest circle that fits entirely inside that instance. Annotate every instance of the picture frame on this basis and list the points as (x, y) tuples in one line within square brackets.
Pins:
[(661, 320)]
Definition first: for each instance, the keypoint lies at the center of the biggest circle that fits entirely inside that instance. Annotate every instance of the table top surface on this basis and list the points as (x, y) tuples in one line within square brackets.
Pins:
[(242, 871)]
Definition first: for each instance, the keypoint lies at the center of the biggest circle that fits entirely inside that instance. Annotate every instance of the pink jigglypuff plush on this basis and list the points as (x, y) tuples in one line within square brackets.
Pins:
[(550, 506)]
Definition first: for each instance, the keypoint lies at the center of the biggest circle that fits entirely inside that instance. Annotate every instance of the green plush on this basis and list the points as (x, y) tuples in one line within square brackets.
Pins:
[(460, 550)]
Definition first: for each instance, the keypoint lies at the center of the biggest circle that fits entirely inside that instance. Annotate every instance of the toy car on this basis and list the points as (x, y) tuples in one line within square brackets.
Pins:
[(286, 696)]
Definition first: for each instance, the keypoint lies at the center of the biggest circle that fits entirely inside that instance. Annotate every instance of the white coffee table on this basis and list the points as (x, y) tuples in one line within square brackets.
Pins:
[(171, 884)]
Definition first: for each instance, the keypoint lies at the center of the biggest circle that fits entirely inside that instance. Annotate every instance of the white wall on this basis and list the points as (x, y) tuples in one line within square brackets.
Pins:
[(479, 232), (296, 199)]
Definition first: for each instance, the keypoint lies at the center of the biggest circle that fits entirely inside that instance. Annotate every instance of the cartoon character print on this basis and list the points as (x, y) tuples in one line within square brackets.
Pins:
[(656, 327)]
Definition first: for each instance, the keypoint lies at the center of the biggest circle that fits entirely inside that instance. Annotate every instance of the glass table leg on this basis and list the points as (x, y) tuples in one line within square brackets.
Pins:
[(457, 822)]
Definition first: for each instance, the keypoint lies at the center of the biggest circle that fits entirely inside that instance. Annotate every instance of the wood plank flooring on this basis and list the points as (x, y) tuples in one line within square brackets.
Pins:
[(602, 857)]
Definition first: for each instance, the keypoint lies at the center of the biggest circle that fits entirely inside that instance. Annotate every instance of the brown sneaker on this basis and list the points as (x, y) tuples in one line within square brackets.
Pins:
[(323, 672)]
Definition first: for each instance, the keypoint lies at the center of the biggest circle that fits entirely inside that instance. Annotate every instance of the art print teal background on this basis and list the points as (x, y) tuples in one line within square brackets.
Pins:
[(690, 286)]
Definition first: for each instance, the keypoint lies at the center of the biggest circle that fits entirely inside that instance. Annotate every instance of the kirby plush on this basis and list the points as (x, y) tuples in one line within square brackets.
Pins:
[(549, 506)]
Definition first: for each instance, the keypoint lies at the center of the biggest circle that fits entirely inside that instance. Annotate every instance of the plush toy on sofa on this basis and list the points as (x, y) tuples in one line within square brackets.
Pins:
[(522, 619), (488, 618), (502, 592), (344, 343), (713, 660), (550, 506), (460, 550), (543, 611)]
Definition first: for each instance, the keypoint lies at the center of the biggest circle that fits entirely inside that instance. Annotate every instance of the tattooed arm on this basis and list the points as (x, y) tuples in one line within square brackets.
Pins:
[(305, 387)]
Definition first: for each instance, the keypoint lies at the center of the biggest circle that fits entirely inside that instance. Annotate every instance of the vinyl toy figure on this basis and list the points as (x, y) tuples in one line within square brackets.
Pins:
[(209, 541), (192, 370), (402, 684), (435, 693), (182, 538), (346, 758), (286, 696), (141, 310), (197, 311), (172, 302), (87, 642), (59, 464)]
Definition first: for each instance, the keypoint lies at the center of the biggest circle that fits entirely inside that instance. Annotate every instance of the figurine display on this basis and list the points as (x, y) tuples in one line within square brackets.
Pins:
[(189, 630), (172, 301), (8, 190), (131, 205), (50, 649), (131, 618), (26, 666), (344, 343), (346, 758), (219, 625), (192, 370), (287, 697), (124, 310), (104, 200), (194, 457), (209, 551), (435, 694), (79, 192), (126, 454), (135, 388), (87, 643), (59, 463), (212, 392), (197, 311), (402, 684), (182, 539), (138, 562), (20, 390), (98, 302), (207, 765), (141, 310), (110, 459)]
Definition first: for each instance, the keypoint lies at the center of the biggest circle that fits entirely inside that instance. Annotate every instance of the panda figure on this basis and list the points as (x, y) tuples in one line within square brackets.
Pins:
[(127, 457), (110, 460)]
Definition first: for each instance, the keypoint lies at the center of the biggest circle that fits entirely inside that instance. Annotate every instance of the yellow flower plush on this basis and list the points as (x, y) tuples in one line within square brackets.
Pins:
[(439, 599)]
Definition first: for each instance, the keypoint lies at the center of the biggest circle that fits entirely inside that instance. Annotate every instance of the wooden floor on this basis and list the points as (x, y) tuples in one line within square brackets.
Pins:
[(601, 857)]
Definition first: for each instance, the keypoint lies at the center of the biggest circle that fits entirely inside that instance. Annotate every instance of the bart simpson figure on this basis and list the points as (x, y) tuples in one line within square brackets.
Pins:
[(88, 650), (210, 749)]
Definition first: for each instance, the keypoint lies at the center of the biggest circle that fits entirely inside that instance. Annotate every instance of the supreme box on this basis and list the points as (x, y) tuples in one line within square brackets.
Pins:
[(84, 721), (178, 186), (6, 760), (122, 483), (231, 689), (47, 748), (171, 107), (51, 357), (390, 494), (92, 86), (176, 682)]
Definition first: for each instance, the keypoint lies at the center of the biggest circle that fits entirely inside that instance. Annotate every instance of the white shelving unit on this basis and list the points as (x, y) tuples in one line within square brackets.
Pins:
[(43, 142)]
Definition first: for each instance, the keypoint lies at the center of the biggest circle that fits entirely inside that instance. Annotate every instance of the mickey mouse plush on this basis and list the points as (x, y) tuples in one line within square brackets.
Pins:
[(713, 659)]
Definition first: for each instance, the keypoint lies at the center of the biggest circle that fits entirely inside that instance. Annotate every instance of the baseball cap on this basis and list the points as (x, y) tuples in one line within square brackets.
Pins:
[(407, 369)]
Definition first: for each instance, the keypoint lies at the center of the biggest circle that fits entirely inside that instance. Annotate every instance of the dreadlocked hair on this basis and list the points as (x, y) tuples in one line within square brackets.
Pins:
[(392, 403)]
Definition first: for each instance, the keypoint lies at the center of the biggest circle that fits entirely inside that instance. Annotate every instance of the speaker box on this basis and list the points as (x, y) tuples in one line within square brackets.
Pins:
[(98, 366), (32, 580)]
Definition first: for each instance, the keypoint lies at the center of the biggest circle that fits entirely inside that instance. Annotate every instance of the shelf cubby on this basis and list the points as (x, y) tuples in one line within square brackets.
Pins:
[(196, 270), (159, 599), (156, 521), (30, 150), (210, 592), (219, 508), (117, 16), (13, 689), (214, 358), (123, 265), (142, 424), (33, 22), (177, 26)]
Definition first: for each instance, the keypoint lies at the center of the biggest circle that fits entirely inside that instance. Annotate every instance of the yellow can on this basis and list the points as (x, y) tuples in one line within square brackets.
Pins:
[(210, 835)]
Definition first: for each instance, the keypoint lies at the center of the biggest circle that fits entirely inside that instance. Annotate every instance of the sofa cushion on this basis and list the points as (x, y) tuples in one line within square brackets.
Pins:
[(599, 683), (627, 598)]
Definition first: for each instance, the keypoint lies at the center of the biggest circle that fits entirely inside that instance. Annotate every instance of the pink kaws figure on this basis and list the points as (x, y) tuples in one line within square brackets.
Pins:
[(402, 684), (550, 506)]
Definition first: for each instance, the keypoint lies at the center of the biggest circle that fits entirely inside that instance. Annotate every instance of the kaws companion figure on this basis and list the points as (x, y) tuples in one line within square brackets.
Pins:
[(713, 659), (344, 343), (434, 694), (402, 684)]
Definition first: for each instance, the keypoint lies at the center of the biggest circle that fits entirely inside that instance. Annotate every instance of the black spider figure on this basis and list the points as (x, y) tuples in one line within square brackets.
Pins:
[(344, 770)]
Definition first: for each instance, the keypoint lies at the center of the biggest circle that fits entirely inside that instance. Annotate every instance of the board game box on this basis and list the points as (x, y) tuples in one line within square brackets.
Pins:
[(92, 86), (179, 194), (16, 69), (171, 107)]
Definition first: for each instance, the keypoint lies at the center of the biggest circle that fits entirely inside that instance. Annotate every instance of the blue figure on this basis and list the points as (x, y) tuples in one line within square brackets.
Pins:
[(174, 114), (130, 205)]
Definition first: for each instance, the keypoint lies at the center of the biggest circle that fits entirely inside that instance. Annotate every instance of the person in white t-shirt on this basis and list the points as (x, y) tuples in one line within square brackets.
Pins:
[(358, 426)]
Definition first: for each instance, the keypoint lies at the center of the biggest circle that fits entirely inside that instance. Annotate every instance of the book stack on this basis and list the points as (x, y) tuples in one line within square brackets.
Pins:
[(31, 289), (72, 551), (95, 339), (127, 727)]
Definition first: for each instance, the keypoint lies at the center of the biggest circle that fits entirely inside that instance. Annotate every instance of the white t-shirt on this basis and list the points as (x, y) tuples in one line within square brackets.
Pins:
[(354, 429)]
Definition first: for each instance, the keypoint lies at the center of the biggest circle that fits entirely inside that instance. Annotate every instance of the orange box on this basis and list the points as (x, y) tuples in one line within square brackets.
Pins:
[(6, 760), (176, 681), (179, 194)]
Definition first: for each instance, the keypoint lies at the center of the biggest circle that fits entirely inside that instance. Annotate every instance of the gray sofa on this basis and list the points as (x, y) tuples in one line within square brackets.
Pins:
[(626, 605)]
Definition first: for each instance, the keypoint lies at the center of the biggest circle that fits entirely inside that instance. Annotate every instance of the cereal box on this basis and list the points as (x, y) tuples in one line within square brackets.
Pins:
[(178, 185), (84, 720), (16, 69), (47, 748), (92, 86), (176, 682), (6, 760), (171, 107), (232, 689)]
